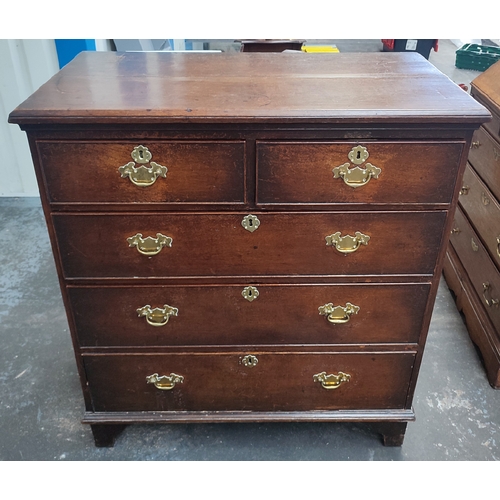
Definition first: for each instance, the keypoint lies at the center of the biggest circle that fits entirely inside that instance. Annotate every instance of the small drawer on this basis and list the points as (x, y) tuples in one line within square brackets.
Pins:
[(484, 156), (493, 126), (483, 210), (482, 272), (148, 172), (241, 314), (370, 172), (251, 381), (217, 244)]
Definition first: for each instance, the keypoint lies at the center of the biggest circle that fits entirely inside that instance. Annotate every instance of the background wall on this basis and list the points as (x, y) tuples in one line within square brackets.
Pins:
[(25, 66)]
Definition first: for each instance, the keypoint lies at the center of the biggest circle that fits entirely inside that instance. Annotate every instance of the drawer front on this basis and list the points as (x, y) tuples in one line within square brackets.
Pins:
[(483, 211), (218, 245), (221, 315), (194, 172), (483, 274), (278, 382), (405, 172), (484, 156)]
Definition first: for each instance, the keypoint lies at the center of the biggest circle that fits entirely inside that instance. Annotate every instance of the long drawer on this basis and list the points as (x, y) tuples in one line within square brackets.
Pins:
[(242, 315), (483, 210), (337, 244), (162, 171), (378, 172), (482, 272), (484, 156), (256, 381)]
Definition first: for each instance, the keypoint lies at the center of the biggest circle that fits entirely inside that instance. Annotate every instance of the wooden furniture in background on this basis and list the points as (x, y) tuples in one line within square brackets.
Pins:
[(249, 237), (473, 258), (270, 45)]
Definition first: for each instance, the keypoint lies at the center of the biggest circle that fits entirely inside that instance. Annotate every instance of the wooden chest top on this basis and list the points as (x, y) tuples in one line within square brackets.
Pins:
[(249, 87)]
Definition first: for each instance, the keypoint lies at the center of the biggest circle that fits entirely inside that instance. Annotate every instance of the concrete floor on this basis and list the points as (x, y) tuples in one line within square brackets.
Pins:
[(458, 413)]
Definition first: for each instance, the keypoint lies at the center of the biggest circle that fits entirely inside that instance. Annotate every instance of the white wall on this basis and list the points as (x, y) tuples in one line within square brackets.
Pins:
[(25, 66)]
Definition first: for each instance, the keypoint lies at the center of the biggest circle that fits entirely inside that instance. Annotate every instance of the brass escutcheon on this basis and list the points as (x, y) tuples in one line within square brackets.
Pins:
[(164, 382), (489, 301), (149, 245), (485, 199), (465, 190), (250, 222), (347, 244), (331, 381), (338, 314), (142, 176), (250, 293), (157, 316), (357, 176), (475, 145), (455, 230), (474, 246), (250, 361)]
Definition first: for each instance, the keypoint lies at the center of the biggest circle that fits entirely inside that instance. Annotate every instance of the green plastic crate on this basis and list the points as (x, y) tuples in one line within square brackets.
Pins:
[(478, 57)]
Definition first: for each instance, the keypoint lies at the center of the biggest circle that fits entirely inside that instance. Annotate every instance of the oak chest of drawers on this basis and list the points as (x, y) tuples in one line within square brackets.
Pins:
[(249, 237), (473, 258)]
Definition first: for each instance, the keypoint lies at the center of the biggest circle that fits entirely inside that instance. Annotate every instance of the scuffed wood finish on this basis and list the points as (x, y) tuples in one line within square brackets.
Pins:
[(411, 172), (483, 210), (112, 88), (208, 315), (218, 245), (247, 134), (203, 172), (279, 382), (469, 269)]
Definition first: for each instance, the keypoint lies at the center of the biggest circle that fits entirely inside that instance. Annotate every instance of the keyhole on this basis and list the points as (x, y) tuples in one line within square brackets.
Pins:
[(250, 222), (250, 293), (141, 154), (358, 156)]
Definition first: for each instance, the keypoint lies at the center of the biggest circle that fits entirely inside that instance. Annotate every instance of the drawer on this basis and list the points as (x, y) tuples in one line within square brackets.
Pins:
[(93, 245), (483, 211), (221, 315), (405, 172), (482, 272), (222, 382), (195, 172), (484, 156)]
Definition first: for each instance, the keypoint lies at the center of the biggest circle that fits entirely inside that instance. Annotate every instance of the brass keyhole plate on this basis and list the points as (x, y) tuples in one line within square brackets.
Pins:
[(250, 360)]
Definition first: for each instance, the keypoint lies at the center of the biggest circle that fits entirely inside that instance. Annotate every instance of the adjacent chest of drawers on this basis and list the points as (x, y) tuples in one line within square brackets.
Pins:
[(249, 237), (473, 258)]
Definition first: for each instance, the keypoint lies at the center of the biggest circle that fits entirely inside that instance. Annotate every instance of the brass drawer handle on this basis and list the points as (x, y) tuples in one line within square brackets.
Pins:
[(338, 314), (142, 176), (496, 154), (465, 190), (157, 316), (149, 245), (347, 244), (489, 301), (498, 246), (357, 176), (474, 245), (455, 230), (475, 145), (164, 382), (331, 381)]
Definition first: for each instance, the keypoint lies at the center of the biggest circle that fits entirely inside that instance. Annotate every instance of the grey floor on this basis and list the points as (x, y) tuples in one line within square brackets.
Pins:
[(458, 413)]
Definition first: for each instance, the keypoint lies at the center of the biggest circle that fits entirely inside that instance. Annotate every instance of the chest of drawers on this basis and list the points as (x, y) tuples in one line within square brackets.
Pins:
[(249, 237), (473, 258)]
